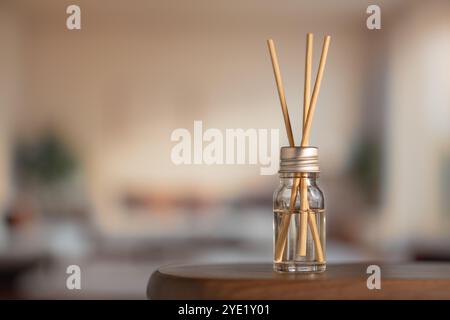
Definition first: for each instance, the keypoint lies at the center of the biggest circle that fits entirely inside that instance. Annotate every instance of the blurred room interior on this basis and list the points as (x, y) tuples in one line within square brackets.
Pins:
[(86, 118)]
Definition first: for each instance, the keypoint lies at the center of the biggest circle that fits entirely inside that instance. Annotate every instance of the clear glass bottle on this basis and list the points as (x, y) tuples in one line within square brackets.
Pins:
[(299, 215)]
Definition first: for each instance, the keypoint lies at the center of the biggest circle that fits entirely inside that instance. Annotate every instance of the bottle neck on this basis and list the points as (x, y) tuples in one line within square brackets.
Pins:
[(288, 178)]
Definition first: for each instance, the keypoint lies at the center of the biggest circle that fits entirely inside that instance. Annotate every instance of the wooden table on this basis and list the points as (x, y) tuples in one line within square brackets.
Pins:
[(258, 281)]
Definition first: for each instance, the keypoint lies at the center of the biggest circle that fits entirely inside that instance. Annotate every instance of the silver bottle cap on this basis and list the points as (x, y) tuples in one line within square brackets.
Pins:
[(299, 159)]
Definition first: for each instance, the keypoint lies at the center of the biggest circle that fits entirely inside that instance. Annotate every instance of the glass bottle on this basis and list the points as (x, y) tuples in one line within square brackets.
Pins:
[(299, 215)]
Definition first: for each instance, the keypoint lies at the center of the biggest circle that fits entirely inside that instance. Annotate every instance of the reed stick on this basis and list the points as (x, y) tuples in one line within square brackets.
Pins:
[(302, 238), (307, 85), (284, 226), (312, 104), (280, 87), (303, 218), (305, 141)]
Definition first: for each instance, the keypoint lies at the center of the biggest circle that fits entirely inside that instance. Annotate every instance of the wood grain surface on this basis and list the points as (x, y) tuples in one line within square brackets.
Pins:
[(258, 281)]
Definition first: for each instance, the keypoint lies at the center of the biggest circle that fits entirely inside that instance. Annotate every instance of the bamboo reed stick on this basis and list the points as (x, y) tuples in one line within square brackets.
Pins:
[(302, 238), (312, 105), (303, 218), (305, 141), (307, 85), (280, 87), (284, 226)]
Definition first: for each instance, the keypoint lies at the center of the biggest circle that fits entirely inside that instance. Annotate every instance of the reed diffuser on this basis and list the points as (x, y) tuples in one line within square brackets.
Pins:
[(299, 216)]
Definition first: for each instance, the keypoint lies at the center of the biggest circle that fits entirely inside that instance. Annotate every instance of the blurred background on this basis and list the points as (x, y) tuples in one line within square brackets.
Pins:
[(86, 118)]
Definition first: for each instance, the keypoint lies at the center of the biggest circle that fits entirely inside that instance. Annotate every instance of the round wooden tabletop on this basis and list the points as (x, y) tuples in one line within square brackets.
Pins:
[(258, 281)]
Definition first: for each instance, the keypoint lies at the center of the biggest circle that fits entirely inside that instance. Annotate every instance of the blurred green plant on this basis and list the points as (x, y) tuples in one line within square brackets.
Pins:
[(44, 161), (365, 168)]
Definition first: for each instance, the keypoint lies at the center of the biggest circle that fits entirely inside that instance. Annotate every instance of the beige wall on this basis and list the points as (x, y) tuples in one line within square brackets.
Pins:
[(418, 148)]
